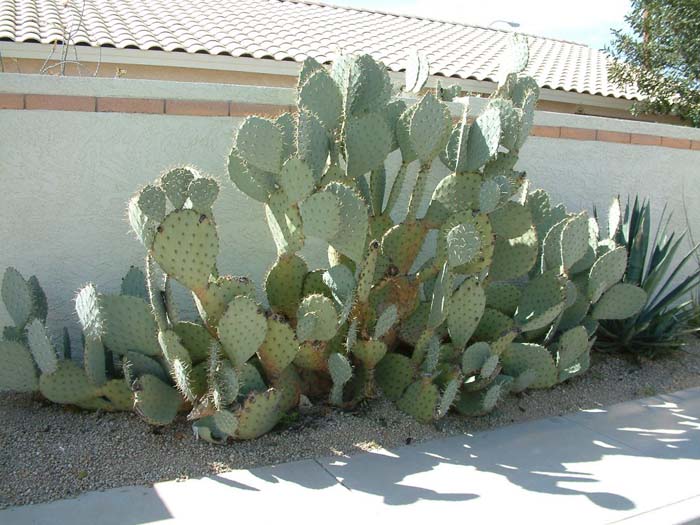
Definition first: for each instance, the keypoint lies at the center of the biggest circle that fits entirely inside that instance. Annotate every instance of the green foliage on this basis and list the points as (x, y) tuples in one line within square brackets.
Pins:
[(507, 300), (657, 263), (661, 57)]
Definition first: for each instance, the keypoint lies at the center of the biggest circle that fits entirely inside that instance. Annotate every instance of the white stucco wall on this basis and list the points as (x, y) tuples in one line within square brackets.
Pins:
[(66, 177)]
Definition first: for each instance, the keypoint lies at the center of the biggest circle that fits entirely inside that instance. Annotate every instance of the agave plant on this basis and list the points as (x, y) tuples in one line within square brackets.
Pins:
[(669, 279)]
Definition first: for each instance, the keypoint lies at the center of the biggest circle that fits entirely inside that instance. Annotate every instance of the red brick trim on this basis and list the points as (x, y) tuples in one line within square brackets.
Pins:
[(221, 108)]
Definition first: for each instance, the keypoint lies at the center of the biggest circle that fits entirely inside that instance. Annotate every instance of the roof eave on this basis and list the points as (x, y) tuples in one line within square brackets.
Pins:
[(159, 58)]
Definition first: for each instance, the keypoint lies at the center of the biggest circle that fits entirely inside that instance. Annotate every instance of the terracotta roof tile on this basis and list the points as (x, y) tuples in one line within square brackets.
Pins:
[(295, 29)]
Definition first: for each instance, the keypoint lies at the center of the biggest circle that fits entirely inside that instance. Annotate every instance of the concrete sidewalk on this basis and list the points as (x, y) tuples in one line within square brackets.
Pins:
[(633, 463)]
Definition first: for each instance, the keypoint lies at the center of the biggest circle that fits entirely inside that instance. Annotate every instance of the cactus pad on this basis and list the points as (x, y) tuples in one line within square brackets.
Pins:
[(140, 365), (504, 297), (367, 143), (484, 136), (479, 402), (341, 371), (186, 246), (513, 258), (219, 293), (259, 142), (570, 346), (606, 271), (196, 338), (386, 321), (296, 180), (369, 352), (128, 325), (493, 324), (284, 284), (466, 308), (118, 393), (448, 397), (350, 241), (455, 193), (519, 357), (279, 347), (241, 330), (420, 400), (320, 95), (393, 374), (474, 357), (320, 214), (255, 183), (543, 299), (620, 302), (203, 191), (42, 350), (316, 319), (67, 384), (430, 128), (95, 361), (18, 372), (17, 297), (156, 402), (259, 414), (402, 243), (511, 220)]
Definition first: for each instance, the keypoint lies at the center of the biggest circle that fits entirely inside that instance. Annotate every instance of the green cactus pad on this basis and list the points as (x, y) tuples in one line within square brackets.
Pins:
[(134, 284), (574, 314), (68, 384), (605, 272), (156, 402), (212, 303), (289, 384), (312, 142), (340, 280), (577, 368), (320, 214), (402, 244), (95, 361), (196, 338), (259, 142), (316, 319), (455, 150), (430, 128), (279, 347), (511, 220), (140, 365), (296, 180), (284, 284), (474, 357), (448, 397), (178, 360), (151, 202), (175, 183), (320, 95), (484, 137), (241, 330), (504, 297), (40, 306), (313, 283), (463, 244), (442, 292), (479, 402), (259, 414), (198, 379), (128, 325), (42, 350), (394, 374), (350, 241), (255, 183), (17, 297), (363, 82), (543, 299), (367, 143), (413, 326), (574, 240), (203, 191), (308, 67), (455, 193), (118, 393), (570, 346), (18, 372), (144, 228), (493, 324), (620, 302), (420, 400), (186, 246), (226, 422), (510, 122), (369, 352), (313, 355), (479, 223), (386, 321), (341, 372), (205, 428), (224, 383), (87, 306), (523, 381), (489, 196), (519, 357), (513, 258), (466, 309)]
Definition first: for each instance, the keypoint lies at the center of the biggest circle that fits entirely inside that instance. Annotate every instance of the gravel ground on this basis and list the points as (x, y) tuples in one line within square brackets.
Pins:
[(48, 452)]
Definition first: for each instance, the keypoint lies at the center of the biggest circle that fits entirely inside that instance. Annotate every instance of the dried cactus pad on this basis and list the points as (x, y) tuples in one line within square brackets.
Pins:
[(186, 246), (18, 372)]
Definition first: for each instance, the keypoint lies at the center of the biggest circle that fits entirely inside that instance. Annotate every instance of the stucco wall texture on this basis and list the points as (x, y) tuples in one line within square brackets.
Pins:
[(66, 178)]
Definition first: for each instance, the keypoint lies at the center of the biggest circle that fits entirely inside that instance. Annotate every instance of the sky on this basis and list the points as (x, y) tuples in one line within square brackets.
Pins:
[(588, 22)]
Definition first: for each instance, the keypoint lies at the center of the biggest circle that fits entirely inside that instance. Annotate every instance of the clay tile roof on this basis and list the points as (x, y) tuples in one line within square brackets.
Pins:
[(295, 29)]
